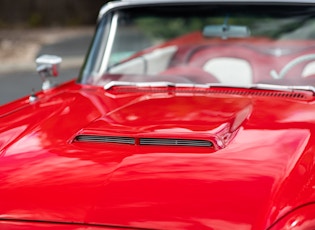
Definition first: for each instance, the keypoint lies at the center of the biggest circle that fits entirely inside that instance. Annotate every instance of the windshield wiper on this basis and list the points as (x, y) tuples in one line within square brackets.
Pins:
[(284, 88)]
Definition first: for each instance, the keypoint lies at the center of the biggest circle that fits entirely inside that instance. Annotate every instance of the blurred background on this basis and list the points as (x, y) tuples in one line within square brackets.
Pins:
[(30, 28)]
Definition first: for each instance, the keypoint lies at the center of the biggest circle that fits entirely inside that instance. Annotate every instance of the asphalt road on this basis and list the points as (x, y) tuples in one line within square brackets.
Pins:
[(18, 84), (21, 82)]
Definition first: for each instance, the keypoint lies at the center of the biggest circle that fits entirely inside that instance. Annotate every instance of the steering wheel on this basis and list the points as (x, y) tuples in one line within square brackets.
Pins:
[(290, 65)]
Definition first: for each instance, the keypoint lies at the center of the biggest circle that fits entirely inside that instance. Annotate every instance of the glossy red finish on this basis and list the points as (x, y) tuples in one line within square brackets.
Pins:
[(260, 168), (257, 172), (300, 218)]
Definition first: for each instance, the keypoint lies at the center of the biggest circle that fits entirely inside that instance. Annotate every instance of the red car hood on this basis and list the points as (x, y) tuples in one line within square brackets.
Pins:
[(62, 159)]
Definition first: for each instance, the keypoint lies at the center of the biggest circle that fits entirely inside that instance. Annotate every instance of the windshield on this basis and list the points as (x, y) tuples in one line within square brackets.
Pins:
[(230, 44)]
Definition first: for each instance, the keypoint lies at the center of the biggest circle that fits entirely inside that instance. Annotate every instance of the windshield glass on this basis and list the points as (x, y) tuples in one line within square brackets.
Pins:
[(230, 44)]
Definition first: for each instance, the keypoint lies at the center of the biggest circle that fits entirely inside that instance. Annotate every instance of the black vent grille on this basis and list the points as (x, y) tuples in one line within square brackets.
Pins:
[(144, 141), (106, 139), (175, 142), (294, 95)]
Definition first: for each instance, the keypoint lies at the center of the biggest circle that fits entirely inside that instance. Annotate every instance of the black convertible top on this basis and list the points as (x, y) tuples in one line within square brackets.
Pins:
[(130, 3)]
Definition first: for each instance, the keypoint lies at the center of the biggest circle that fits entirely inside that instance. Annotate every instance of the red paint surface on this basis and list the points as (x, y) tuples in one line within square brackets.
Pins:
[(260, 169)]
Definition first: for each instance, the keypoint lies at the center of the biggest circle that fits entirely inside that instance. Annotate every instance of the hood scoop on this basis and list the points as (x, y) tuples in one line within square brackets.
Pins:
[(177, 121), (144, 141)]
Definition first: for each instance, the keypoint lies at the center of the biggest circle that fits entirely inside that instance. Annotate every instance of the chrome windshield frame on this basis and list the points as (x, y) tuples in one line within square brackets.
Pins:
[(110, 11)]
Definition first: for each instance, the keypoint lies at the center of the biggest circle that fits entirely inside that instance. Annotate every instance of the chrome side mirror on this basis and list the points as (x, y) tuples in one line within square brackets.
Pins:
[(48, 66)]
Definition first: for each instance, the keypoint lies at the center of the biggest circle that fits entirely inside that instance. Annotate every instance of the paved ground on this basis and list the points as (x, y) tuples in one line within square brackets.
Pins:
[(19, 49)]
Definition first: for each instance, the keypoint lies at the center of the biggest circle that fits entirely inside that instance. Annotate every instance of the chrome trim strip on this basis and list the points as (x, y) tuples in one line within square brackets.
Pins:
[(110, 42), (284, 88), (152, 84)]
